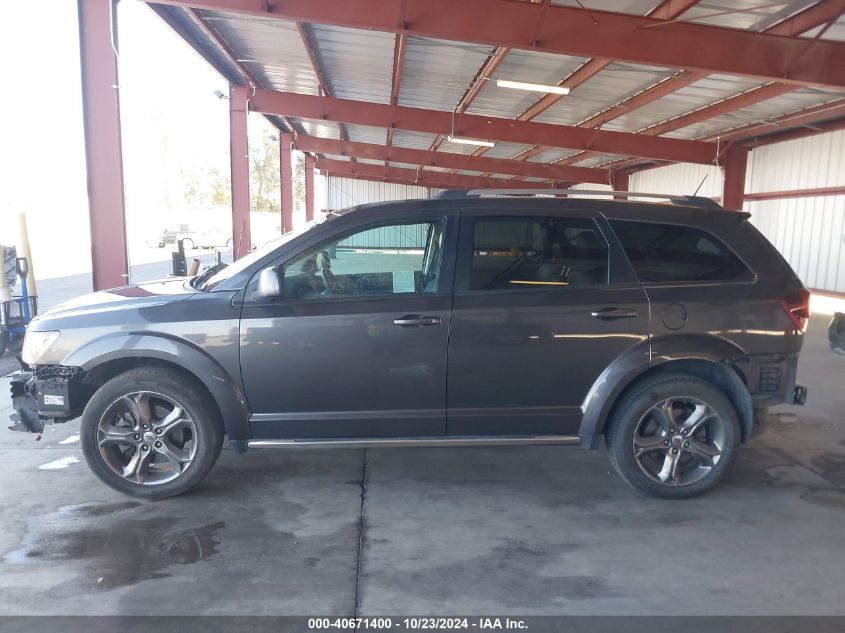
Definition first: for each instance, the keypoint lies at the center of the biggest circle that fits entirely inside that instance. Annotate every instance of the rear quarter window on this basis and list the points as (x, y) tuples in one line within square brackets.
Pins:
[(674, 253)]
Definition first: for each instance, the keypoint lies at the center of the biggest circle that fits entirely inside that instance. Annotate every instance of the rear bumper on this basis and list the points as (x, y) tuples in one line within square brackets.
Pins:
[(40, 398)]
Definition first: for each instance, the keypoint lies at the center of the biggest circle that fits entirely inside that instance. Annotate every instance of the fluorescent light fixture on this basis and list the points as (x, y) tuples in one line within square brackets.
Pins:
[(469, 141), (521, 85)]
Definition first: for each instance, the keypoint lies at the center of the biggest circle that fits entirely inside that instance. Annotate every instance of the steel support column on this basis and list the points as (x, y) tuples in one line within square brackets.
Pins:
[(309, 188), (103, 154), (239, 156), (733, 190), (620, 181), (286, 180)]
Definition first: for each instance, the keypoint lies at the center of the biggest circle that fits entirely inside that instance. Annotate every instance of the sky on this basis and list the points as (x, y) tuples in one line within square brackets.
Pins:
[(171, 122)]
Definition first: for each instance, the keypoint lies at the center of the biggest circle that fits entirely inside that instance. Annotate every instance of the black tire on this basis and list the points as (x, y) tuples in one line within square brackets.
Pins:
[(182, 389), (637, 409)]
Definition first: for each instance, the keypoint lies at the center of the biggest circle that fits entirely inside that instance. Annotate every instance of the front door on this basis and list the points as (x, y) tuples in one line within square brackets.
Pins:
[(538, 313), (356, 345)]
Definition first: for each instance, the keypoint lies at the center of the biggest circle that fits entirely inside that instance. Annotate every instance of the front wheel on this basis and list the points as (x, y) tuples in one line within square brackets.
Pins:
[(151, 433), (673, 436)]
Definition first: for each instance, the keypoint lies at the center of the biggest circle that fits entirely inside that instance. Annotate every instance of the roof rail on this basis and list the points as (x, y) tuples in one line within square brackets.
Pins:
[(684, 200)]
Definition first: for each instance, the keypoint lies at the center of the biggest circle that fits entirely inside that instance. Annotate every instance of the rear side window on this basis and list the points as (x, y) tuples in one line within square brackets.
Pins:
[(536, 252), (670, 252)]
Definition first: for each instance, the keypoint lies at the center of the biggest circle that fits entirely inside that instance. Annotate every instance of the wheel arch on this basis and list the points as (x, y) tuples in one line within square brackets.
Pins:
[(707, 358), (109, 356)]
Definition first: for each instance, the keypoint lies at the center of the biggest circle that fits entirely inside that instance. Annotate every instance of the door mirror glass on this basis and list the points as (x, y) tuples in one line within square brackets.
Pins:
[(268, 285)]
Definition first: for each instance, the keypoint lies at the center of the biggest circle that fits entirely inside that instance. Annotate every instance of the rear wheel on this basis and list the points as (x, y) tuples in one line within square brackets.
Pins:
[(151, 433), (673, 436)]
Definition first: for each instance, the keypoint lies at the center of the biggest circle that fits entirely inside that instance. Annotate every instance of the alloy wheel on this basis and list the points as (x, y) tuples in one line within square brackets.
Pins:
[(147, 438), (679, 441)]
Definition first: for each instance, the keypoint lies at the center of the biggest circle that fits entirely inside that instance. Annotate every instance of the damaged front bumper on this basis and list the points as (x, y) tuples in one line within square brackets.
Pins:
[(41, 396)]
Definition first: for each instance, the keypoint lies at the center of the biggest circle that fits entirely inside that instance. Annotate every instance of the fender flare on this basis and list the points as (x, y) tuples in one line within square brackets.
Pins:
[(645, 356), (225, 389)]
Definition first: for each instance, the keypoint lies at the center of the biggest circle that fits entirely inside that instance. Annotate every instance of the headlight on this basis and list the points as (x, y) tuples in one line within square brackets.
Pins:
[(35, 344)]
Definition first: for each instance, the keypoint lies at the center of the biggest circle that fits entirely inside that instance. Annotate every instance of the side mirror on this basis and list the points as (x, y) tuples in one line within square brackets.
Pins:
[(268, 285)]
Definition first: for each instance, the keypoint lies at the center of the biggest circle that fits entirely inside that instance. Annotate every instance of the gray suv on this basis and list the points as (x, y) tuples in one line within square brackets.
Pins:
[(471, 319)]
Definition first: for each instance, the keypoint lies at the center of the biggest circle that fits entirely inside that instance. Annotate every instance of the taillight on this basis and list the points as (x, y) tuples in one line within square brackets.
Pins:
[(797, 308)]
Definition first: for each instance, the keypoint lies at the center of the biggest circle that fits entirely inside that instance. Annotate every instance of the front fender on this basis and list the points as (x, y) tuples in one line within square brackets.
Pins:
[(224, 388), (638, 360)]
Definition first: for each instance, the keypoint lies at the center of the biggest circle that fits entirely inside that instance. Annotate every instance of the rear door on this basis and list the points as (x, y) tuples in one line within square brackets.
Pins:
[(543, 304)]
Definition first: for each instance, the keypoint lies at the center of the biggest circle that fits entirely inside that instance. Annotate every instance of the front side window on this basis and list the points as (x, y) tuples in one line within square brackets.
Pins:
[(537, 252), (392, 259), (674, 253)]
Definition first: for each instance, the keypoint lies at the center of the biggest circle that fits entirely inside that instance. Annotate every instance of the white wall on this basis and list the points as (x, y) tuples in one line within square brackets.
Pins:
[(346, 192), (809, 232), (680, 179)]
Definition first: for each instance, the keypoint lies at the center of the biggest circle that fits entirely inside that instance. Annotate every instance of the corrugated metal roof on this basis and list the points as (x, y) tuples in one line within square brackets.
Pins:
[(437, 73), (269, 48), (763, 111), (552, 155), (697, 95), (615, 83), (320, 129), (356, 64), (413, 140), (367, 134), (506, 150), (541, 68)]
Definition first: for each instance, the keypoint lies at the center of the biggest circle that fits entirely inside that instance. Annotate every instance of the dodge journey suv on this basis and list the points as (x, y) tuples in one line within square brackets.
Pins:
[(660, 328)]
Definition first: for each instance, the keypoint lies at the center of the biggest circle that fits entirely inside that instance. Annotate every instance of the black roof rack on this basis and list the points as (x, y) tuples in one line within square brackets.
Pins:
[(684, 200)]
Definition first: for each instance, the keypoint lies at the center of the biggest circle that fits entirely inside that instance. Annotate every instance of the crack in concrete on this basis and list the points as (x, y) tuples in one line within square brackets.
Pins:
[(362, 529)]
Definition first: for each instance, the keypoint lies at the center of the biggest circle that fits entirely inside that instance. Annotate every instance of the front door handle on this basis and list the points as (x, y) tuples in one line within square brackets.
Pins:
[(608, 314), (416, 319)]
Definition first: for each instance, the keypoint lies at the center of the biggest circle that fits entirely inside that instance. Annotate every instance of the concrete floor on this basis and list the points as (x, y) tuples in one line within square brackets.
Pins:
[(440, 531)]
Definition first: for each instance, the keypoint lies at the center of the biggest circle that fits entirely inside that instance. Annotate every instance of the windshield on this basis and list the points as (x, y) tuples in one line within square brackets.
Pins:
[(212, 277)]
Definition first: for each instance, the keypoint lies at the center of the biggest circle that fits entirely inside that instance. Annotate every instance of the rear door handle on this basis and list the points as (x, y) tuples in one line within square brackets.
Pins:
[(416, 319), (609, 314)]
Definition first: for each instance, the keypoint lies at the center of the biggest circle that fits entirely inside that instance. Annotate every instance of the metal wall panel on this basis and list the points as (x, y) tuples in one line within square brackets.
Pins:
[(810, 232), (346, 192)]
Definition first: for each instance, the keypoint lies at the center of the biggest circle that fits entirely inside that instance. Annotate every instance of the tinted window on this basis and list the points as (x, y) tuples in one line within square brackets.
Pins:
[(530, 252), (669, 252), (387, 260)]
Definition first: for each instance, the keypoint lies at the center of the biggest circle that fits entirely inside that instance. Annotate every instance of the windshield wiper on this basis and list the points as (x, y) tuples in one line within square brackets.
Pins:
[(198, 281)]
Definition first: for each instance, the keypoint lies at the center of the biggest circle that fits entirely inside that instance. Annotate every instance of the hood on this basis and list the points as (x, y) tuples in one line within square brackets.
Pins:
[(138, 295)]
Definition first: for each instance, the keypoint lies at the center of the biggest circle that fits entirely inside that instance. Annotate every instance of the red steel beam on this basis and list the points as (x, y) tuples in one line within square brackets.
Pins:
[(821, 118), (103, 154), (731, 104), (820, 13), (286, 181), (448, 159), (571, 31), (425, 178), (803, 21), (239, 157), (796, 193), (474, 126), (396, 80), (309, 188), (667, 10)]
